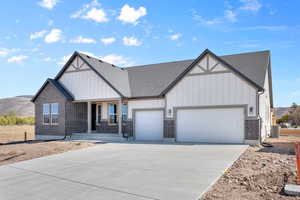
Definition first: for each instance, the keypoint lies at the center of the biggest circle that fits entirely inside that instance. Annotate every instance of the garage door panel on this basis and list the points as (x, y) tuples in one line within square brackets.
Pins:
[(149, 125), (222, 125)]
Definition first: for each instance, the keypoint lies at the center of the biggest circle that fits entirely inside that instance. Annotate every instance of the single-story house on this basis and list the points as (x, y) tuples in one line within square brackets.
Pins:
[(210, 99)]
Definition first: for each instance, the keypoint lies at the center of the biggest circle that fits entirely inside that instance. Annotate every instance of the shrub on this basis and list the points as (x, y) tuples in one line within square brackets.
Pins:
[(11, 119)]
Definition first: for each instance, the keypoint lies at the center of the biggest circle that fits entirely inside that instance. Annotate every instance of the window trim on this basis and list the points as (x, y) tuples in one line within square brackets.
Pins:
[(55, 124), (49, 113), (108, 114)]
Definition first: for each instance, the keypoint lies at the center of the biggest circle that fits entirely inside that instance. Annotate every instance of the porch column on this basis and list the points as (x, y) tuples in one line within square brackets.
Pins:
[(120, 117), (89, 106)]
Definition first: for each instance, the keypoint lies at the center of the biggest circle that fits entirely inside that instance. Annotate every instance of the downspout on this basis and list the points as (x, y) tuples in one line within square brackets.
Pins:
[(258, 112)]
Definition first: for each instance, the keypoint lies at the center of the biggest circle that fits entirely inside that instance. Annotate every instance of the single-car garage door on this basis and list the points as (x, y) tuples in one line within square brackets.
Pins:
[(212, 125), (149, 125)]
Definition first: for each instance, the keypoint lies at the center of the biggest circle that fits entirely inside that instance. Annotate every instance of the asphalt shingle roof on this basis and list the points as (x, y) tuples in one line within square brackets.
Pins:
[(151, 80)]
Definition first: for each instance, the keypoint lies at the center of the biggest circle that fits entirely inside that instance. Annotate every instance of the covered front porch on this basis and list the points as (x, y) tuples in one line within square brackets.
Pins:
[(106, 120), (106, 117)]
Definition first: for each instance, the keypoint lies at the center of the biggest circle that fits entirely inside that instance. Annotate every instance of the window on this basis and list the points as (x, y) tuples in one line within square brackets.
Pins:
[(112, 114), (99, 108), (50, 113), (46, 113), (54, 113), (124, 111)]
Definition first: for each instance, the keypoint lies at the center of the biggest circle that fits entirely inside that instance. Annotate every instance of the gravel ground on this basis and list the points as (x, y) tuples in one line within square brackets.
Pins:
[(25, 151), (260, 173)]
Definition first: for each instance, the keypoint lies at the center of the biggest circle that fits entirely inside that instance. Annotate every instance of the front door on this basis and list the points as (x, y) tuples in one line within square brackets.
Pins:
[(94, 106)]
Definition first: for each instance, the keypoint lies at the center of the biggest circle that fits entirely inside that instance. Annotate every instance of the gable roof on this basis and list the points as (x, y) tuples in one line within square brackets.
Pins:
[(58, 86), (253, 65), (116, 76), (155, 80), (108, 72)]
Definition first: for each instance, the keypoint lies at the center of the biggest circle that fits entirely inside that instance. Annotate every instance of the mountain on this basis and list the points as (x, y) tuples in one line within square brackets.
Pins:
[(21, 105)]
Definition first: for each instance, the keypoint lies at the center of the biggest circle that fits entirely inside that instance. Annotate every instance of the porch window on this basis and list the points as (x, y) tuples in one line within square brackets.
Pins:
[(99, 108), (112, 114), (46, 114), (124, 111), (54, 113)]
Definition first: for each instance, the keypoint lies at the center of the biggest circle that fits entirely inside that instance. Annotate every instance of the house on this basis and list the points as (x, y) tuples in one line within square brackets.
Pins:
[(210, 99)]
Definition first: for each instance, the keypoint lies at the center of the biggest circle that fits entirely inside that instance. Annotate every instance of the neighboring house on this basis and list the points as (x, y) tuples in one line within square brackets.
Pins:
[(213, 99), (279, 112)]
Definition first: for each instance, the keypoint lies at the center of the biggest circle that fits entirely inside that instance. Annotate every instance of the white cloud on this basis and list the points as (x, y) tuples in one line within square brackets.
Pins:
[(108, 40), (4, 52), (50, 23), (230, 15), (131, 15), (89, 54), (82, 40), (131, 41), (64, 59), (175, 36), (49, 4), (204, 21), (55, 35), (295, 94), (97, 15), (49, 59), (251, 5), (266, 28), (17, 59), (38, 34), (116, 60), (91, 12)]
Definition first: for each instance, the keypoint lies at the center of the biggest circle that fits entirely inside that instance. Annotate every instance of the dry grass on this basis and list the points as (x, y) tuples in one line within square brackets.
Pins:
[(260, 173), (15, 133), (11, 153), (290, 131)]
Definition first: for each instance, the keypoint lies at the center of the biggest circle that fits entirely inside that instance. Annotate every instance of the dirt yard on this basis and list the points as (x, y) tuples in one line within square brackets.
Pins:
[(260, 173), (25, 151), (15, 133)]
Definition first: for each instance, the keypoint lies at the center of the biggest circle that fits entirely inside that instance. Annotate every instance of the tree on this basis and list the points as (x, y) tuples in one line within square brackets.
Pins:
[(283, 119), (295, 116), (294, 105)]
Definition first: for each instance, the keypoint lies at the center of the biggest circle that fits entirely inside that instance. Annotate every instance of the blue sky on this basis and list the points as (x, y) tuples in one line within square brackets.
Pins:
[(37, 36)]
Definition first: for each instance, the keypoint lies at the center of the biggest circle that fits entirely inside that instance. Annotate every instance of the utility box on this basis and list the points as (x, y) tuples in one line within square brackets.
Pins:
[(275, 131)]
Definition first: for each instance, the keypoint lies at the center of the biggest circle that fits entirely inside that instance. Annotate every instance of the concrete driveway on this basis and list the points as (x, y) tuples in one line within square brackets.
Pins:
[(119, 172)]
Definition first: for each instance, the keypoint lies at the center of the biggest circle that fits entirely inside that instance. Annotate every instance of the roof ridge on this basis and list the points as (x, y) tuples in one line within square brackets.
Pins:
[(102, 61), (138, 66), (245, 53)]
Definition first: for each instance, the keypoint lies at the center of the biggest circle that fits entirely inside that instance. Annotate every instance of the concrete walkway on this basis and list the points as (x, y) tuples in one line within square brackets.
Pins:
[(119, 172)]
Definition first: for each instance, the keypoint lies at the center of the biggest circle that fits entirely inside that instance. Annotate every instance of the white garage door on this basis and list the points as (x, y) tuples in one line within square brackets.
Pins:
[(149, 125), (221, 125)]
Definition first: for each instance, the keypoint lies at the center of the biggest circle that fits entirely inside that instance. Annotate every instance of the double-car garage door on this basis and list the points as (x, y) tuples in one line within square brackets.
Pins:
[(213, 125), (209, 125)]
